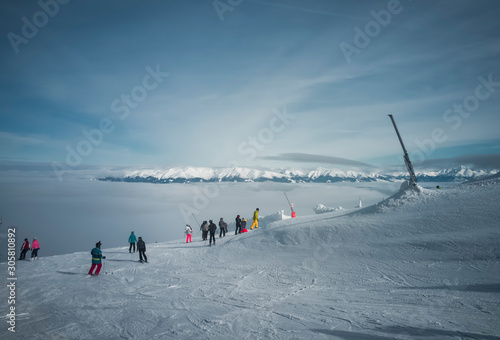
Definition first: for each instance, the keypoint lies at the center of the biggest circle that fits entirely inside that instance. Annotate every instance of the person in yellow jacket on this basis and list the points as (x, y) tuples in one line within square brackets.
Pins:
[(255, 219)]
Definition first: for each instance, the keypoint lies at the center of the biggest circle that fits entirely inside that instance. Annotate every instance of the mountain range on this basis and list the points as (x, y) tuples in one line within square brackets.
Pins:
[(319, 175)]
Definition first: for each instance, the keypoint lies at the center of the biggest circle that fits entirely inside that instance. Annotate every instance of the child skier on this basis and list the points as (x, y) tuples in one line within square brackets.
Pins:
[(141, 247), (244, 226)]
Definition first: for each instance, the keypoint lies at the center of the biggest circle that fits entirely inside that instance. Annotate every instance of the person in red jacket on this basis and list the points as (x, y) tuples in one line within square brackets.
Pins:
[(24, 249)]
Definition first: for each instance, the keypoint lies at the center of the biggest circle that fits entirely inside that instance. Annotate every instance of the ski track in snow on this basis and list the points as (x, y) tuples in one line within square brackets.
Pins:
[(418, 266)]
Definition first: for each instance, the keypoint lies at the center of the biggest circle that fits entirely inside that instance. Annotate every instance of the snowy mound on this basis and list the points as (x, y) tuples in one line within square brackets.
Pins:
[(407, 195), (321, 209), (429, 272)]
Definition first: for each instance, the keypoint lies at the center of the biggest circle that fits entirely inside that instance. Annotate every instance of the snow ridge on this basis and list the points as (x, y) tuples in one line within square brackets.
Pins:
[(320, 175)]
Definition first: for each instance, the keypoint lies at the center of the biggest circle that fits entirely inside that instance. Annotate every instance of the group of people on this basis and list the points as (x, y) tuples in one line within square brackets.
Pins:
[(141, 246), (97, 253), (35, 246), (210, 227), (206, 227), (241, 223)]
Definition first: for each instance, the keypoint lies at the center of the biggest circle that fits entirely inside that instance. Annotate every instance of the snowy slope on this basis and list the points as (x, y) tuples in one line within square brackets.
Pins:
[(420, 265)]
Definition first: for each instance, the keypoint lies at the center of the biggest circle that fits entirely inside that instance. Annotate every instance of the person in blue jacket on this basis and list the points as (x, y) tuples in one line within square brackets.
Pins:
[(96, 259), (132, 240)]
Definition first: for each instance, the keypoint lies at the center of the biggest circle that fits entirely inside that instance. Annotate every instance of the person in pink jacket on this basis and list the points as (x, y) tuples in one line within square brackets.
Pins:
[(34, 249)]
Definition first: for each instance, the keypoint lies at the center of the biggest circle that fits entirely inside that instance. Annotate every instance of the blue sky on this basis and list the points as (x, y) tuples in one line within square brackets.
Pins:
[(268, 83)]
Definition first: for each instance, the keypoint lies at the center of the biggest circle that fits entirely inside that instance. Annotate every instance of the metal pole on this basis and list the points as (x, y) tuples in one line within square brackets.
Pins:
[(291, 205), (199, 225), (288, 200), (413, 178)]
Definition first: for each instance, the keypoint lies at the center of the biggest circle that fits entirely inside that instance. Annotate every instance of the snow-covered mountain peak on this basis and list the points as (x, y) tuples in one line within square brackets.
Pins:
[(319, 175)]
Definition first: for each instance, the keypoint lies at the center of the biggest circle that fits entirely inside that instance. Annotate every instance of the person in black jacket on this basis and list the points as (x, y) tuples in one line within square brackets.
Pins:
[(141, 247), (212, 228), (24, 249), (238, 225)]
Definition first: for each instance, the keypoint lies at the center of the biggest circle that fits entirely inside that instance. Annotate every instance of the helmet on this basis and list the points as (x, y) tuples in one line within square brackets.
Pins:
[(238, 216)]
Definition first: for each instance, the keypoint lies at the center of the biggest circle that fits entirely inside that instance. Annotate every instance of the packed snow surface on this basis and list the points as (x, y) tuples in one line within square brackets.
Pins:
[(422, 264)]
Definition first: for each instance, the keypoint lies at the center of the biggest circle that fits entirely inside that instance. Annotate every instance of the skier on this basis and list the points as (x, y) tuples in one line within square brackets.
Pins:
[(34, 249), (204, 229), (189, 231), (24, 249), (212, 227), (96, 259), (238, 225), (223, 228), (141, 247), (255, 219), (244, 226), (132, 240)]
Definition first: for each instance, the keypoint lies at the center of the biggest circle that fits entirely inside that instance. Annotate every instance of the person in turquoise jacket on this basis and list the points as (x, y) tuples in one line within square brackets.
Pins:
[(132, 240), (96, 259)]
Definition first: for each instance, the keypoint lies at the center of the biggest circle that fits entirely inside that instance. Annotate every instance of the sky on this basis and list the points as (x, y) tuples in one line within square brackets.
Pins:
[(257, 83)]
